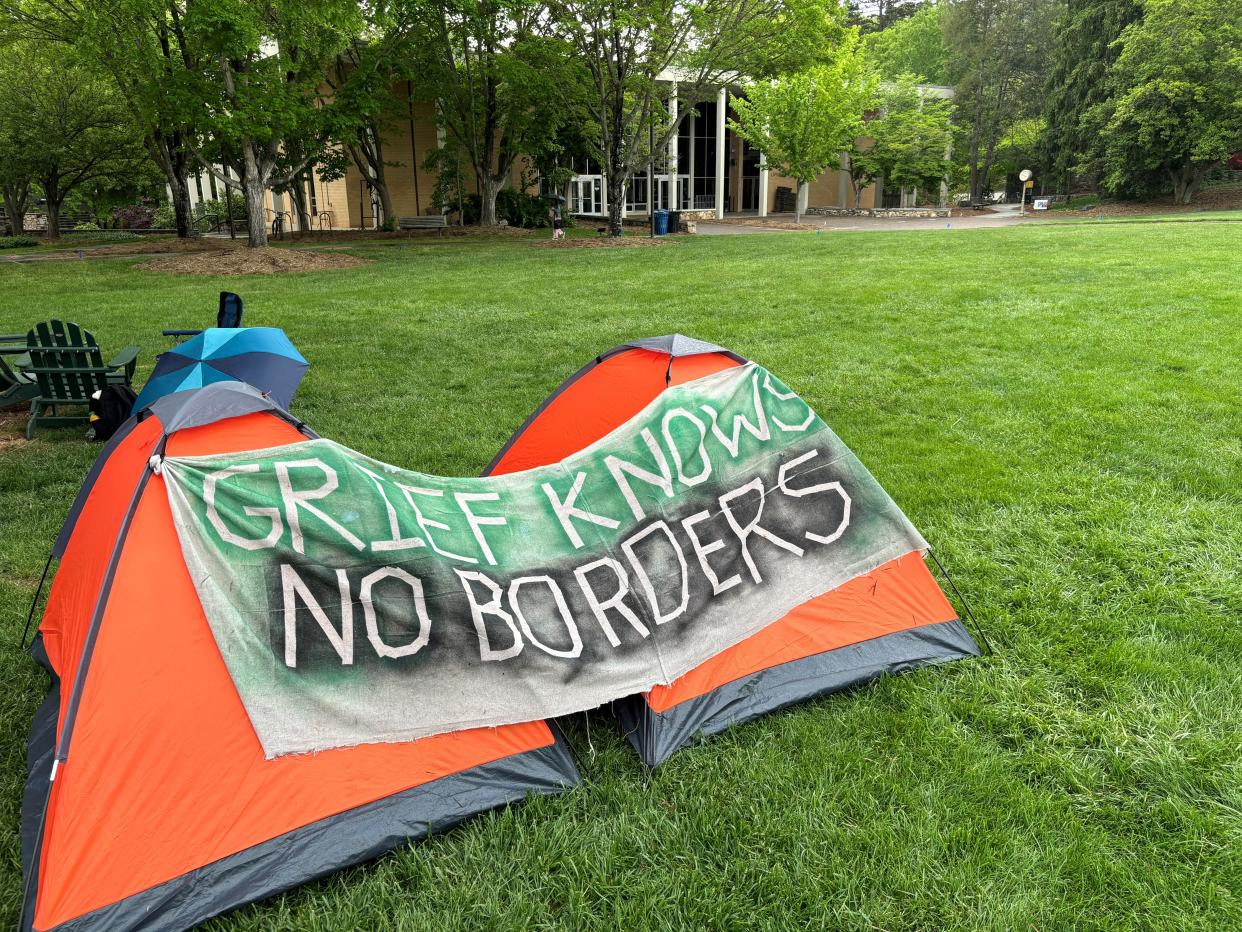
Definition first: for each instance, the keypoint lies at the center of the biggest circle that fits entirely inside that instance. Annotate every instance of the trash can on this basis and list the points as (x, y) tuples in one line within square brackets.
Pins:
[(661, 223), (674, 221)]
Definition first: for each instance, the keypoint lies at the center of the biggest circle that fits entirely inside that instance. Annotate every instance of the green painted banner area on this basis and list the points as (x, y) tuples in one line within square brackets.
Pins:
[(357, 602)]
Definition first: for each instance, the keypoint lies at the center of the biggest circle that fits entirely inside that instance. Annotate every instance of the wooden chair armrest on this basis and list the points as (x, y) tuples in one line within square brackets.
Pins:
[(126, 359)]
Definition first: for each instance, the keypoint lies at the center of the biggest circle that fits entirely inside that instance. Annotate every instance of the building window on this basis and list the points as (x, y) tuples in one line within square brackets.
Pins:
[(636, 194)]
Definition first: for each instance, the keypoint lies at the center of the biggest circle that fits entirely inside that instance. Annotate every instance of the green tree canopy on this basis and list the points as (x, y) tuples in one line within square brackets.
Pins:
[(630, 50), (1177, 110), (914, 45), (503, 84), (1084, 48), (803, 122), (63, 123), (998, 47), (261, 86), (907, 140)]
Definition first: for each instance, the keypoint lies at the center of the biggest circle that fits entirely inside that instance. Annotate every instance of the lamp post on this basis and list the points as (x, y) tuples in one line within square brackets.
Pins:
[(1025, 177)]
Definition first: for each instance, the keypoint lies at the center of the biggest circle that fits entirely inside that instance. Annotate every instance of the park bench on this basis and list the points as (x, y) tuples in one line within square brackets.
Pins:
[(436, 222), (66, 363)]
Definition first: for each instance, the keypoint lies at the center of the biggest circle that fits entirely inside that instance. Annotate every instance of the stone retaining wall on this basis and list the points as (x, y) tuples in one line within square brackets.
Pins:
[(883, 212)]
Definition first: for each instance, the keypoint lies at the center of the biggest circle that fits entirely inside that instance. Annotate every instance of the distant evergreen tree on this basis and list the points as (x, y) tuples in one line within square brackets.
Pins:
[(1080, 84)]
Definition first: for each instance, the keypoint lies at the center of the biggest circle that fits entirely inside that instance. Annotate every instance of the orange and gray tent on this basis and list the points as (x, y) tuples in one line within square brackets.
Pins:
[(890, 620), (148, 802)]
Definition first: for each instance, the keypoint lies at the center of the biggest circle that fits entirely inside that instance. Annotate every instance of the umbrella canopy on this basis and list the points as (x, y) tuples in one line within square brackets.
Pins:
[(259, 356)]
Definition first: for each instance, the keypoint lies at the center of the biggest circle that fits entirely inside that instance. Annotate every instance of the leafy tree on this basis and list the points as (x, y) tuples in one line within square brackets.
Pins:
[(1084, 49), (499, 82), (630, 49), (144, 47), (366, 84), (804, 122), (872, 16), (1177, 110), (16, 170), (914, 45), (1001, 63), (261, 87), (907, 140), (65, 122)]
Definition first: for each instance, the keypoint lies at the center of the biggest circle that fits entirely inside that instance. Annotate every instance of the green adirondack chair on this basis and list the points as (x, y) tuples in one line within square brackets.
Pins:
[(65, 362), (16, 388)]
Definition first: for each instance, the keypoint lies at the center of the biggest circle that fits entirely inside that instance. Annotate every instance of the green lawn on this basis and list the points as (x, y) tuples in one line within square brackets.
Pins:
[(1055, 407)]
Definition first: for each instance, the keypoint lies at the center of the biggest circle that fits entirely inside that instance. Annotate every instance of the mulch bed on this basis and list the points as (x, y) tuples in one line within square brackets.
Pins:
[(601, 242), (242, 261), (1223, 197)]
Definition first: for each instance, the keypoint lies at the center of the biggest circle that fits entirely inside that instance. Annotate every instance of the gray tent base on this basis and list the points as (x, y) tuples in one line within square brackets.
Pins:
[(656, 735), (299, 856)]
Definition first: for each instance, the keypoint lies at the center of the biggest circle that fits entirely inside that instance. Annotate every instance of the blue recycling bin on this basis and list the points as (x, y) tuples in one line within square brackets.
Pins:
[(661, 223)]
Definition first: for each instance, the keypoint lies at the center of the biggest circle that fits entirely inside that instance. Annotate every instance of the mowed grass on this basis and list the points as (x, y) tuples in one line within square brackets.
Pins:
[(1055, 407)]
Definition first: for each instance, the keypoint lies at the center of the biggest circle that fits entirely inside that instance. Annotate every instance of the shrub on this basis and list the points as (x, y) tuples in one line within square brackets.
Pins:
[(212, 213), (164, 218), (16, 242), (102, 236), (134, 216), (522, 209), (88, 227)]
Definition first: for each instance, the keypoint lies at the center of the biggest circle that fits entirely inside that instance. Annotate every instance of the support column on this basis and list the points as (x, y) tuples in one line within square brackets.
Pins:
[(674, 203), (694, 129), (763, 183), (722, 103)]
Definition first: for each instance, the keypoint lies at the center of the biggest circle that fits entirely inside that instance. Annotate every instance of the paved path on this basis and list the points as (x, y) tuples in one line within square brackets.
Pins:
[(1001, 216)]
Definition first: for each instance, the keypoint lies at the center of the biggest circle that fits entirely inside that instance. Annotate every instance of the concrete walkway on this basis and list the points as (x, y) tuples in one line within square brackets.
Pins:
[(1000, 216)]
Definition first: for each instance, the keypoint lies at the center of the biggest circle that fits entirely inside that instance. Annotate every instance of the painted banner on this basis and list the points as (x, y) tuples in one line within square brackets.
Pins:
[(356, 602)]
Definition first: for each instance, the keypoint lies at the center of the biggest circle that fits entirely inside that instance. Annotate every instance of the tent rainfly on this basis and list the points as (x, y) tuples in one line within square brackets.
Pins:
[(149, 803), (890, 620)]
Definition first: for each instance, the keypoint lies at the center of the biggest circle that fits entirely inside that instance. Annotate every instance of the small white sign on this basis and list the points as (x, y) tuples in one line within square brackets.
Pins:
[(1041, 203)]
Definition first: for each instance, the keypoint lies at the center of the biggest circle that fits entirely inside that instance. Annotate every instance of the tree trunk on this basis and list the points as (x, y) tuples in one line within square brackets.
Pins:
[(1185, 180), (1179, 186), (857, 185), (297, 194), (53, 219), (385, 198), (616, 202), (380, 182), (487, 200), (798, 202), (15, 196), (253, 188), (181, 208), (170, 154)]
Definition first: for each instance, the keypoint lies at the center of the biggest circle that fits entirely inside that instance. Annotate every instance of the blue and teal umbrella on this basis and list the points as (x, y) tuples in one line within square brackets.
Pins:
[(260, 356)]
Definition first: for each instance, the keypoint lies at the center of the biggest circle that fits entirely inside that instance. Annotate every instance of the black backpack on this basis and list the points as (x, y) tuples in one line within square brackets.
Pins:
[(110, 409)]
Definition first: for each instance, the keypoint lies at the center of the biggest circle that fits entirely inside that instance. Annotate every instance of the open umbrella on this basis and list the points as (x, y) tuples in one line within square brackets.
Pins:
[(260, 356)]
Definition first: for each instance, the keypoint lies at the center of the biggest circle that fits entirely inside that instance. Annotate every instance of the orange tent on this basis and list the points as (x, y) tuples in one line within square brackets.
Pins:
[(887, 621), (148, 803)]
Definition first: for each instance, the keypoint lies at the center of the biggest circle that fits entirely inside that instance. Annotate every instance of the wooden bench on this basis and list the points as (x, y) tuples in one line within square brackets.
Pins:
[(436, 222)]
